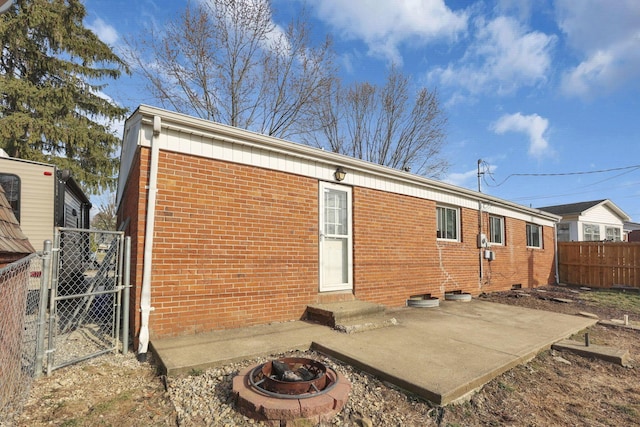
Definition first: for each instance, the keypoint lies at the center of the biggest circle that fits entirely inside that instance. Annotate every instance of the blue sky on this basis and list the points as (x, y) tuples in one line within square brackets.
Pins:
[(533, 87)]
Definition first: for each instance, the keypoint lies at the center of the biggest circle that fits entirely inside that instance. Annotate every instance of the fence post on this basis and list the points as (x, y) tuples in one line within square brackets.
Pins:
[(44, 302), (126, 296)]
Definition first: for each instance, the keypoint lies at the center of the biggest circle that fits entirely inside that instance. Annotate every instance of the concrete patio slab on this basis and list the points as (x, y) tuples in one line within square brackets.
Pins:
[(441, 353)]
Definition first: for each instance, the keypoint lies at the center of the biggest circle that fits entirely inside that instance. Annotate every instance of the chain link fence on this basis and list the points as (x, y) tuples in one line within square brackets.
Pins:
[(20, 302), (61, 307), (84, 319)]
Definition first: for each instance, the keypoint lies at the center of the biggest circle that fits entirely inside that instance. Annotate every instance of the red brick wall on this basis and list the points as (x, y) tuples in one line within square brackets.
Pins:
[(234, 246), (396, 253), (237, 245), (515, 263)]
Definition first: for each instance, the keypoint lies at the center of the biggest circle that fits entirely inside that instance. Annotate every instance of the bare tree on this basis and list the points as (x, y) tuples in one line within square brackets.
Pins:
[(226, 60), (106, 218), (383, 125)]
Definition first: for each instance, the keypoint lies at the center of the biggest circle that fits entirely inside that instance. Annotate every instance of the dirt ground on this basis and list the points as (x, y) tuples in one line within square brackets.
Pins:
[(552, 389)]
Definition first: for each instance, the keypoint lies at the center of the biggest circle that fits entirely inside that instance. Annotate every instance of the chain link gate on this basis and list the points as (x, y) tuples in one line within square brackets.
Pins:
[(86, 295)]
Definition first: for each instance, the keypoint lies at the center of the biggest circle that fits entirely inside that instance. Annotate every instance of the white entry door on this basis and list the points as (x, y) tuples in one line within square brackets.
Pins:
[(336, 254)]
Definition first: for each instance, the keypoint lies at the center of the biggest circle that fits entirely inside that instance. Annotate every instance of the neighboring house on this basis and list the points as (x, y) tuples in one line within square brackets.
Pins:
[(230, 228), (631, 232), (14, 245), (596, 220)]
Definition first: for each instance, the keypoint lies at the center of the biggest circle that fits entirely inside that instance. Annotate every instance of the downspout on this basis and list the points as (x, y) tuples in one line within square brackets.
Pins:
[(480, 212), (555, 243), (145, 296)]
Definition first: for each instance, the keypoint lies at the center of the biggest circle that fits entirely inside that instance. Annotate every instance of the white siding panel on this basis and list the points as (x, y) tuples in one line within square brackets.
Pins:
[(129, 146), (601, 215)]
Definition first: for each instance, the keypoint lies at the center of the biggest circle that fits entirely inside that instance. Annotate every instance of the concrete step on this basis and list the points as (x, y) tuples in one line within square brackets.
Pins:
[(366, 323), (349, 314)]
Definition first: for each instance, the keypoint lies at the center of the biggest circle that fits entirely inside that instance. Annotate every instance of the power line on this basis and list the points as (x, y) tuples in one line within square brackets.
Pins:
[(560, 174)]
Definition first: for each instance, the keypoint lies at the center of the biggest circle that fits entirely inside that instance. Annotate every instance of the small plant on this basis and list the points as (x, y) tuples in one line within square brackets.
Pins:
[(504, 386), (110, 404), (195, 372), (626, 409)]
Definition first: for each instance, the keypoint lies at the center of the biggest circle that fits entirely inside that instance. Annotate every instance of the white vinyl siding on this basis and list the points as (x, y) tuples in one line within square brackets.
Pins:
[(534, 236), (37, 194), (448, 224)]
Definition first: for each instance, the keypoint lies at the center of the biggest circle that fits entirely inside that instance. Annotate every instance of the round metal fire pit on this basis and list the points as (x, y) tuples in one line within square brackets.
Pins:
[(263, 377)]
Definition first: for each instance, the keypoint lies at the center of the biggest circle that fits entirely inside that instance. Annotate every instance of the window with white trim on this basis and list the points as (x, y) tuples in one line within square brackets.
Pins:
[(496, 230), (590, 232), (534, 236), (448, 225), (563, 231), (613, 234)]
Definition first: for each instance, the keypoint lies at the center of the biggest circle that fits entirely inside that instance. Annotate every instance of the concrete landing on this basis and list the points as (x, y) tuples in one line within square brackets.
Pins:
[(608, 354), (440, 353)]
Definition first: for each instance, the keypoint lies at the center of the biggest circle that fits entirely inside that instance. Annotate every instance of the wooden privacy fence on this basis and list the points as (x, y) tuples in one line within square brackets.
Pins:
[(599, 264)]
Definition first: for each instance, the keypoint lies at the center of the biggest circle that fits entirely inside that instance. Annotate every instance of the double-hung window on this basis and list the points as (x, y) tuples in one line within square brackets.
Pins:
[(612, 234), (448, 223), (496, 230), (564, 231), (590, 232), (534, 236)]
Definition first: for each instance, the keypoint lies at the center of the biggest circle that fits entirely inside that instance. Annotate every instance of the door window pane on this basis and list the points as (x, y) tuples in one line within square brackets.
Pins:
[(335, 213)]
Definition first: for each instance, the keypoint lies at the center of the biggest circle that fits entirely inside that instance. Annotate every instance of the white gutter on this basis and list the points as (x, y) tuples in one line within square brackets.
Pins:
[(145, 296)]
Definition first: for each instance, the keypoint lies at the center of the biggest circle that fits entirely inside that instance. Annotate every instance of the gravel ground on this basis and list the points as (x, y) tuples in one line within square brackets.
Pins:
[(552, 389)]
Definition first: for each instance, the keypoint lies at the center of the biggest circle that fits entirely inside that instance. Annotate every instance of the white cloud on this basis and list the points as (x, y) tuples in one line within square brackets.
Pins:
[(532, 125), (385, 25), (606, 37), (104, 31), (461, 179), (503, 57), (469, 179)]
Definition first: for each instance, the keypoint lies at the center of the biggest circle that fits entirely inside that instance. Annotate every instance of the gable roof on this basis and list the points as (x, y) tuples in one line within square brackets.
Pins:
[(580, 208), (12, 239)]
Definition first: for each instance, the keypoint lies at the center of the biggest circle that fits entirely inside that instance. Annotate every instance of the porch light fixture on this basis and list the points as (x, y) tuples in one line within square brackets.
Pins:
[(340, 174)]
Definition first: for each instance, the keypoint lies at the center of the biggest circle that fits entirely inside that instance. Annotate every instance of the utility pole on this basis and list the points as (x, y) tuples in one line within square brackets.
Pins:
[(480, 227)]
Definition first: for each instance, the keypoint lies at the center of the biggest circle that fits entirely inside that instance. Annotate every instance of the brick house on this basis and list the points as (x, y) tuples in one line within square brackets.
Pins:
[(231, 228)]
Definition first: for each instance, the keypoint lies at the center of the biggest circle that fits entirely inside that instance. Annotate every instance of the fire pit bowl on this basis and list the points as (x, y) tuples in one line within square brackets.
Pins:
[(311, 373)]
